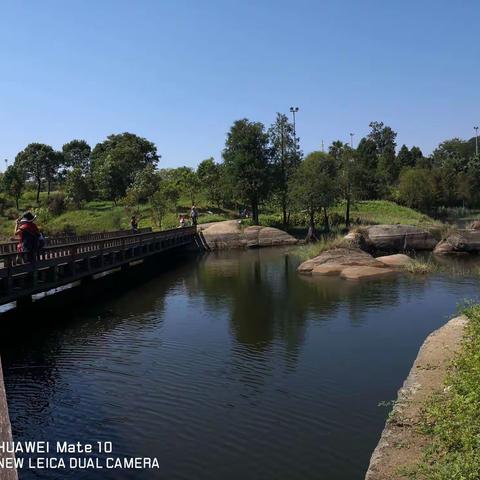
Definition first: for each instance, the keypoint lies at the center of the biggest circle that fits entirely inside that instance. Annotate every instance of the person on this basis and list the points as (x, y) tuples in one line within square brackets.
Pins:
[(134, 224), (29, 237), (194, 215), (182, 221)]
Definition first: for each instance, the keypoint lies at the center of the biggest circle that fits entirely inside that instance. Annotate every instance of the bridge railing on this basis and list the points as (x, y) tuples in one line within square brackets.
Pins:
[(14, 263), (11, 247)]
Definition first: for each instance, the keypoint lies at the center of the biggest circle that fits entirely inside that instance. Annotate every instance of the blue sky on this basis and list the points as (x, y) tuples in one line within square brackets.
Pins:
[(179, 72)]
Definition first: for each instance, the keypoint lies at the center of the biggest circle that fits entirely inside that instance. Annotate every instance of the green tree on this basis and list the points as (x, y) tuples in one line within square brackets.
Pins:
[(247, 161), (314, 187), (404, 158), (416, 188), (34, 161), (53, 163), (348, 176), (367, 167), (384, 139), (116, 161), (211, 180), (77, 189), (76, 154), (145, 184), (14, 182), (286, 157)]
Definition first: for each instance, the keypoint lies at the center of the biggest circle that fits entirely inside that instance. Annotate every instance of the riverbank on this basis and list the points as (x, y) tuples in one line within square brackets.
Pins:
[(400, 453), (101, 215), (5, 432)]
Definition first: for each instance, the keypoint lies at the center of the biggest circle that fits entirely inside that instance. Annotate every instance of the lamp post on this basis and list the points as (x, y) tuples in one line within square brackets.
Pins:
[(294, 110), (351, 139), (476, 140)]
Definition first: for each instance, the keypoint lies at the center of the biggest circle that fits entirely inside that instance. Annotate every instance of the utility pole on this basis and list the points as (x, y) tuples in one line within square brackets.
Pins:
[(476, 140), (322, 147)]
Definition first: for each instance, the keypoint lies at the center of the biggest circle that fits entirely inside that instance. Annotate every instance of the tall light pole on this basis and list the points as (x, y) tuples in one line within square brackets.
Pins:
[(476, 140), (6, 163), (294, 110), (351, 139)]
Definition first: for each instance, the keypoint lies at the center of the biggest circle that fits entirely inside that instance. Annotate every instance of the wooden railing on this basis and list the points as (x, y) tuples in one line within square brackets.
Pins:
[(56, 265), (11, 246)]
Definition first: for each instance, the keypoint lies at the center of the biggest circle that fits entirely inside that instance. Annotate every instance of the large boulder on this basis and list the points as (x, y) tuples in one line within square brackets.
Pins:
[(230, 234), (332, 262), (360, 273), (396, 261), (463, 241), (399, 238), (475, 225)]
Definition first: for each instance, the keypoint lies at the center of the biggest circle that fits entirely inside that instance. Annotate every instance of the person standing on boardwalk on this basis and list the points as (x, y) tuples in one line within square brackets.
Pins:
[(29, 237), (134, 224), (194, 215)]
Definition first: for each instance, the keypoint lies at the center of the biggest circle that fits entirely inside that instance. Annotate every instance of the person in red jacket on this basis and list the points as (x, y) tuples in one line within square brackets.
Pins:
[(29, 236)]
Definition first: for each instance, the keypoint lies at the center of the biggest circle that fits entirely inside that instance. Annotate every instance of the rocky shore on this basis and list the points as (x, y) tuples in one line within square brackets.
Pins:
[(230, 235), (401, 445)]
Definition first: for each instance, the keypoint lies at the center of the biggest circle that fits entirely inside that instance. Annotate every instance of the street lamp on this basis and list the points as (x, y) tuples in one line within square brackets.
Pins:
[(294, 110), (476, 140), (351, 139)]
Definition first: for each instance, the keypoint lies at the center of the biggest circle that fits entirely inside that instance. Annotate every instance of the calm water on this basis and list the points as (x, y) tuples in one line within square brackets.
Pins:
[(229, 366)]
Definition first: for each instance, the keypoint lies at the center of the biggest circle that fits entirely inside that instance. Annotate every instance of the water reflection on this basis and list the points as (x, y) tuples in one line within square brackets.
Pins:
[(227, 364)]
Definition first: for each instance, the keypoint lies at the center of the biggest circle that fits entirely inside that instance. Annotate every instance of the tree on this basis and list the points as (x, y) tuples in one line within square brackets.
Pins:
[(384, 139), (347, 168), (53, 162), (247, 161), (404, 158), (314, 187), (13, 182), (35, 160), (209, 174), (77, 189), (286, 157), (416, 188), (366, 173), (145, 184), (76, 154), (417, 156), (117, 160), (161, 203)]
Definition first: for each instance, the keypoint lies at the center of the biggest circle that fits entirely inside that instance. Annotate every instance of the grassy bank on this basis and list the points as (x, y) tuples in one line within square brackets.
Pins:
[(451, 419), (104, 215)]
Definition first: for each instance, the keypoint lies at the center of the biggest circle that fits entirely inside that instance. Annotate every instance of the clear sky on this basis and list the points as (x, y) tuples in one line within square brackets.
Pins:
[(179, 72)]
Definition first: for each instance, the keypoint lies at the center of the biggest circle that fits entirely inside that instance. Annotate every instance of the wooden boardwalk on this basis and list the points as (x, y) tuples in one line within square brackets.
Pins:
[(69, 259)]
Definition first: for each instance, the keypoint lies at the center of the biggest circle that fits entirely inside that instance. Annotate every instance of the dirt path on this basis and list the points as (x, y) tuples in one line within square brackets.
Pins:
[(400, 444)]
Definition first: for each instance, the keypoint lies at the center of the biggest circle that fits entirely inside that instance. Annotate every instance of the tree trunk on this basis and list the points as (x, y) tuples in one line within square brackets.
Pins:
[(311, 235), (16, 201), (325, 219), (347, 213), (39, 186), (49, 184), (255, 213)]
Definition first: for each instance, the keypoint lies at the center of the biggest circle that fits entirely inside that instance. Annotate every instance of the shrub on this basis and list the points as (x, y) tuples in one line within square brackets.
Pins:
[(56, 204)]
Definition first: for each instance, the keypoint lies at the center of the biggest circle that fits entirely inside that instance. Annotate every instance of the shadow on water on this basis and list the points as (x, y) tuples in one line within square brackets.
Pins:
[(226, 365)]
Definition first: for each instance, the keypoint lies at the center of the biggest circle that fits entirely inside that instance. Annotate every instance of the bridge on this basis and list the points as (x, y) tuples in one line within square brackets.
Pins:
[(68, 259)]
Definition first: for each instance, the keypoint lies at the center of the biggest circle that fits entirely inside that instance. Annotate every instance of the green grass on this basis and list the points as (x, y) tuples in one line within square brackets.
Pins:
[(104, 215), (421, 267), (451, 419), (311, 250), (374, 212)]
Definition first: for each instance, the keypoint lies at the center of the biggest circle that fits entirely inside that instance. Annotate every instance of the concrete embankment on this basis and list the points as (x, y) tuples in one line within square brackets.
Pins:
[(401, 445), (5, 432)]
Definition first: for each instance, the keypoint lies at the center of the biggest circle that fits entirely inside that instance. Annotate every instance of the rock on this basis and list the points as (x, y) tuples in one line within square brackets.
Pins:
[(269, 237), (444, 248), (356, 239), (475, 225), (465, 241), (337, 259), (398, 260), (359, 273), (399, 238), (229, 235)]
